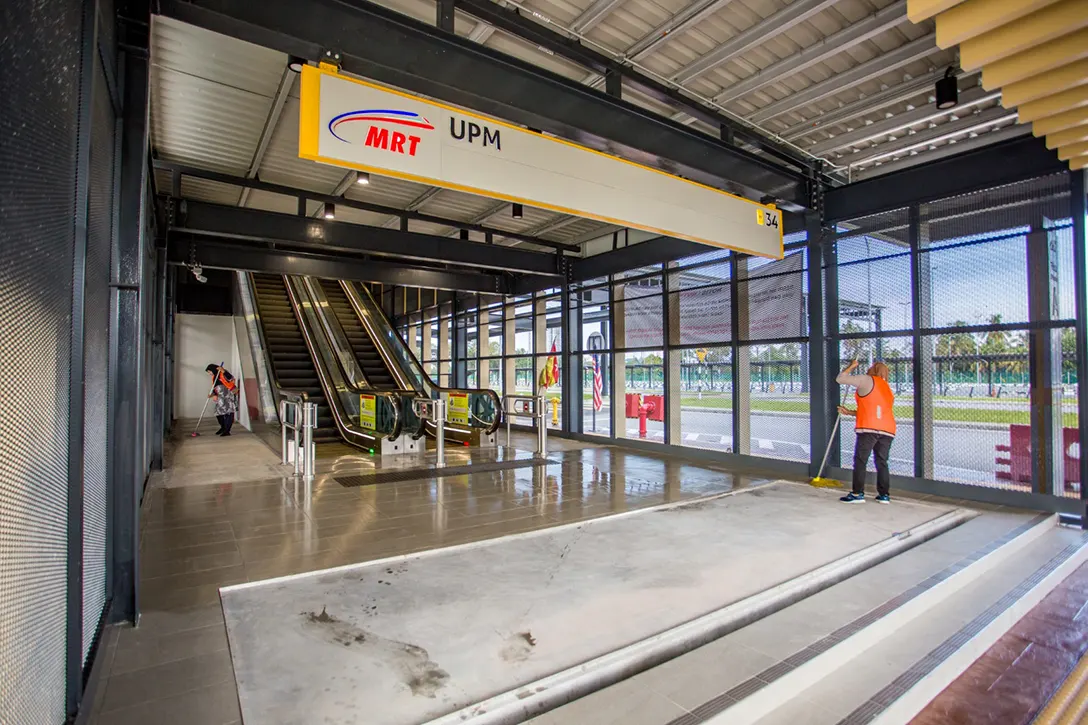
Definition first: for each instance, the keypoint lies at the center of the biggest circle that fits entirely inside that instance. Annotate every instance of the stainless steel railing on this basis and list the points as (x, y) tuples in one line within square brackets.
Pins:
[(302, 422), (537, 410)]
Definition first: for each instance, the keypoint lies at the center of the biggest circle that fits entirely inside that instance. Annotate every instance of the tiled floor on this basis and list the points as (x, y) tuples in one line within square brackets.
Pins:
[(1016, 677), (225, 512)]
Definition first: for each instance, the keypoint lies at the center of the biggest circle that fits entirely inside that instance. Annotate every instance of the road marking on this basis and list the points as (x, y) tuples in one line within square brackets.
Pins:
[(691, 437), (766, 444)]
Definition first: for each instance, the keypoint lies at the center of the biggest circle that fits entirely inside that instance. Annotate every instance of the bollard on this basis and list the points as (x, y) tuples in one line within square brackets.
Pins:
[(541, 427), (440, 435)]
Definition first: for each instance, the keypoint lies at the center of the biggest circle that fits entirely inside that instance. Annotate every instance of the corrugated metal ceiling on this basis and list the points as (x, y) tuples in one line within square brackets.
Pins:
[(847, 80)]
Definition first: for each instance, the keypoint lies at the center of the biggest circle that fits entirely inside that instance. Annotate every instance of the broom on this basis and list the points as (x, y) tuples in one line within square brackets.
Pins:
[(204, 410), (820, 481)]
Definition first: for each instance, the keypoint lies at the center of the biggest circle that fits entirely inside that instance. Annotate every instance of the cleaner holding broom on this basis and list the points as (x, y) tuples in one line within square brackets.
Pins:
[(874, 425), (226, 398)]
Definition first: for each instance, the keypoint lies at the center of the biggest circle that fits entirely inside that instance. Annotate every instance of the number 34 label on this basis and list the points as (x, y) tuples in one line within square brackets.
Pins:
[(766, 218)]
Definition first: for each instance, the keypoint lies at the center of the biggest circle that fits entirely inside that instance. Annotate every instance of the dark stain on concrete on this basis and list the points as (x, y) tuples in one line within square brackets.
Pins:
[(412, 663), (528, 637)]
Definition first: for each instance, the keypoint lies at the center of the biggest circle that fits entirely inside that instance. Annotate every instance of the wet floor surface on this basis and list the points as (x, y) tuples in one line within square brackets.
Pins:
[(225, 512), (1012, 682)]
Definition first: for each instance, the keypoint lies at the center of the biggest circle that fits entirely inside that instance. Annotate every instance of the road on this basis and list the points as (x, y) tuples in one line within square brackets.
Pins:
[(963, 454)]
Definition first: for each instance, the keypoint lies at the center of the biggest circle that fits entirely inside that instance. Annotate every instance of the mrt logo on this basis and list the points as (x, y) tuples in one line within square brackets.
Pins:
[(383, 131)]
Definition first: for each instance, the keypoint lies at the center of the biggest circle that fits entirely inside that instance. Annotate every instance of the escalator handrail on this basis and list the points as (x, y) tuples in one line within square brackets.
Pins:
[(334, 331), (356, 303), (260, 331), (331, 395)]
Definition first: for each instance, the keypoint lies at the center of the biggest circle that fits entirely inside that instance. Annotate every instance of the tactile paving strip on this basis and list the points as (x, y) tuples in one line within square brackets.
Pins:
[(419, 474)]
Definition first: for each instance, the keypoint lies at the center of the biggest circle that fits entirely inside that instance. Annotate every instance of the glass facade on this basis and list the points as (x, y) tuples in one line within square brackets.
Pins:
[(713, 351)]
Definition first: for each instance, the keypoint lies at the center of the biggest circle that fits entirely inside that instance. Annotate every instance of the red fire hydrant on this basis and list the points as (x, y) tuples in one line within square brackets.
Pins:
[(644, 410)]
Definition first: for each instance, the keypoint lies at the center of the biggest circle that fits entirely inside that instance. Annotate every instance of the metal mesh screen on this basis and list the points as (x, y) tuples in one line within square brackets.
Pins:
[(771, 298), (96, 357), (38, 113), (779, 413), (898, 354), (706, 403)]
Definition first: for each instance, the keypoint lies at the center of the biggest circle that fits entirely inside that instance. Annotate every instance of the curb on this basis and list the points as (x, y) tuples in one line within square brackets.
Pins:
[(515, 706)]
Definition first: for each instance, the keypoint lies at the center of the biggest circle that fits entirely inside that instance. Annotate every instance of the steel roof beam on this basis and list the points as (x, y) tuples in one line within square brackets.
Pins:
[(775, 24), (959, 173), (214, 220), (651, 251), (392, 48), (592, 16), (279, 100), (973, 122), (353, 203), (882, 64), (511, 21), (890, 96), (903, 121), (678, 23), (223, 254), (849, 37)]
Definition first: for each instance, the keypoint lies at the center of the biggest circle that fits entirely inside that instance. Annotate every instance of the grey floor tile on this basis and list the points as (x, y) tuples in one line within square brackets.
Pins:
[(167, 680), (147, 649), (214, 705)]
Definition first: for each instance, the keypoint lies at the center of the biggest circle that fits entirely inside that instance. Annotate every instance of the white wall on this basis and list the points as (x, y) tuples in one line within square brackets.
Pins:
[(199, 340)]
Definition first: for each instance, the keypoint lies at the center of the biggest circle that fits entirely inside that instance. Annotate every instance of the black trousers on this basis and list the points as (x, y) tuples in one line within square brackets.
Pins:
[(880, 446), (225, 422)]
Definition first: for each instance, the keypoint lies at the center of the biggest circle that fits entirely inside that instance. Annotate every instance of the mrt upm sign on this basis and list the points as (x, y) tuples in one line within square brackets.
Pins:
[(355, 124)]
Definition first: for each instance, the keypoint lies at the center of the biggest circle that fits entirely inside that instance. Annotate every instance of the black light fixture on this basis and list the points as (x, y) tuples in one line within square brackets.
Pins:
[(515, 211), (330, 210), (363, 178), (948, 91), (464, 234), (295, 63)]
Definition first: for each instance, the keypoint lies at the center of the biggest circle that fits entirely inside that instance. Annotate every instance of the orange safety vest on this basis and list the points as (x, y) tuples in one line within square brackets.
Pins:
[(875, 409), (227, 379)]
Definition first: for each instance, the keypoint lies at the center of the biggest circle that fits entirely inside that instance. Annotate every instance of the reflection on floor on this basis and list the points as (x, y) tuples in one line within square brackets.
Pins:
[(225, 512)]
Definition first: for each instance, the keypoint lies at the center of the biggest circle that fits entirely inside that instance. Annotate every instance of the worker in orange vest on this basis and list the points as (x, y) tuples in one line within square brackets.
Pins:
[(875, 427)]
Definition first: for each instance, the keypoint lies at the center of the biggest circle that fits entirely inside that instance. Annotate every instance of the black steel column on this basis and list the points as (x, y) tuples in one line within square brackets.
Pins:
[(570, 380), (1080, 283), (1044, 346), (445, 17), (127, 338), (734, 341), (832, 359), (818, 379)]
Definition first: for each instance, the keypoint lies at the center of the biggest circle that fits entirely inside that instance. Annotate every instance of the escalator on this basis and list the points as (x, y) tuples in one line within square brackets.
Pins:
[(292, 366), (366, 353)]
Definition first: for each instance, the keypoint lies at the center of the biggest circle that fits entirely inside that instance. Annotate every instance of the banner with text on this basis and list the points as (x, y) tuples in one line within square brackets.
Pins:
[(358, 125), (775, 306)]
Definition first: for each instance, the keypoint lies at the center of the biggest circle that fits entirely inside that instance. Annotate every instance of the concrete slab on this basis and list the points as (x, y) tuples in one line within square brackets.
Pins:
[(415, 638)]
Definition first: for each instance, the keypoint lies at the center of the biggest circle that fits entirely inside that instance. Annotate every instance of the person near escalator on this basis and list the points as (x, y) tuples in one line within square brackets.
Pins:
[(224, 392)]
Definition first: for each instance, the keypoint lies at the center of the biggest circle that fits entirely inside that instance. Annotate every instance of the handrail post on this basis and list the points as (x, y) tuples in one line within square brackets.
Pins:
[(309, 423), (509, 416), (542, 427), (283, 433), (294, 428), (440, 436)]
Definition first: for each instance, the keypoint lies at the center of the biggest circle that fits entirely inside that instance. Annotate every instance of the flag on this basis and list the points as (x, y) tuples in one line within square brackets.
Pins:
[(549, 374), (598, 385)]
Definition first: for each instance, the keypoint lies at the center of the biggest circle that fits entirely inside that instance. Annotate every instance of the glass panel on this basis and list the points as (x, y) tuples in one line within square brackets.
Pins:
[(644, 374), (779, 401), (553, 394), (898, 354), (984, 283), (597, 408), (643, 314), (980, 402), (595, 313), (774, 294), (471, 379), (874, 285), (494, 375), (706, 403), (705, 314)]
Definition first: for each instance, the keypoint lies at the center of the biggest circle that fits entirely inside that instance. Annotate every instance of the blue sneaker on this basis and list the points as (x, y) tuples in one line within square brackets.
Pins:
[(853, 498), (883, 499)]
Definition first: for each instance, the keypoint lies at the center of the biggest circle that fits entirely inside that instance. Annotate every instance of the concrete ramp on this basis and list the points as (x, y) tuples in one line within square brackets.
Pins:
[(492, 631)]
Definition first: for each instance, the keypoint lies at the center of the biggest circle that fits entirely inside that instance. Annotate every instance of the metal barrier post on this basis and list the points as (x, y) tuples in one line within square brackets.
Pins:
[(283, 433), (440, 436), (508, 411), (295, 406), (309, 423), (541, 427)]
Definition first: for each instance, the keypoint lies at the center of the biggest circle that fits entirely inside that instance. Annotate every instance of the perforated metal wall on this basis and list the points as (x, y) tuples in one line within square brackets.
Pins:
[(96, 355), (38, 114)]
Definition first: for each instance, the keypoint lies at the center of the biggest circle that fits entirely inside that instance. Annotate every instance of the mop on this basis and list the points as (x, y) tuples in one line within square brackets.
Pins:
[(204, 410), (819, 481)]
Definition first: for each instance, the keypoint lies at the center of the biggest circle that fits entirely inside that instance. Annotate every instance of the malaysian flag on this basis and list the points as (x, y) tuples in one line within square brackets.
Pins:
[(597, 384)]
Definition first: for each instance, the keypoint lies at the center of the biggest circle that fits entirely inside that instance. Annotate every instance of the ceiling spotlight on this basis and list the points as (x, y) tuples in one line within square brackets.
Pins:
[(947, 90), (464, 234), (198, 273), (515, 211), (295, 63), (363, 178), (330, 210)]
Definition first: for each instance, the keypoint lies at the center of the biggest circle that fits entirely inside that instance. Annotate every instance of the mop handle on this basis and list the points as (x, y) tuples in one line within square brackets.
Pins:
[(831, 438), (215, 381)]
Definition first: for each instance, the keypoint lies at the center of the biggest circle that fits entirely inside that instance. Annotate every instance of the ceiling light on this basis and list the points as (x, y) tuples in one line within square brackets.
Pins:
[(330, 210), (464, 234), (515, 211), (947, 90), (363, 178), (295, 63)]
